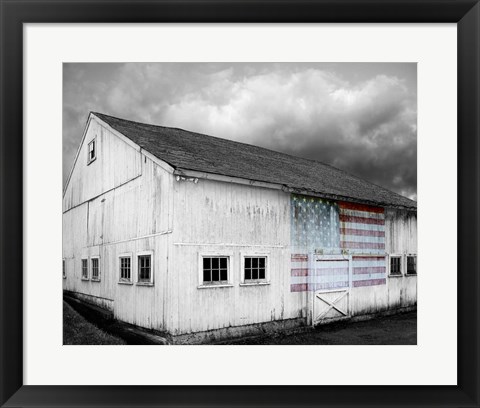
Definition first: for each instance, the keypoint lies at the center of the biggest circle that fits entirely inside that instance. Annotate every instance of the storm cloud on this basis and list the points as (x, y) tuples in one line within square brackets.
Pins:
[(361, 118)]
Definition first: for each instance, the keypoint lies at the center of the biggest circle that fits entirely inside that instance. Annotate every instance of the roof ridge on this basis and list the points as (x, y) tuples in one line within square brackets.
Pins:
[(140, 123)]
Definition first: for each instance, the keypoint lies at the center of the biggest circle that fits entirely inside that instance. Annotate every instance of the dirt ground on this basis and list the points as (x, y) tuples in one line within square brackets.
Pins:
[(398, 329), (389, 330)]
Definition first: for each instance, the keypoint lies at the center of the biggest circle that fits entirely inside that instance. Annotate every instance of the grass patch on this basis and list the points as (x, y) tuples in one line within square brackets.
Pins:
[(76, 330)]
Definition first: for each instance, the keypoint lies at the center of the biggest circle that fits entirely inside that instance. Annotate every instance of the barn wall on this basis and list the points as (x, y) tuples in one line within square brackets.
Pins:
[(229, 219), (116, 163), (401, 239), (401, 234), (399, 291), (133, 217)]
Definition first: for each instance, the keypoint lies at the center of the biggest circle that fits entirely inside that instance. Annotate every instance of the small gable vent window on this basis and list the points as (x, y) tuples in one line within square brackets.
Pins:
[(92, 151)]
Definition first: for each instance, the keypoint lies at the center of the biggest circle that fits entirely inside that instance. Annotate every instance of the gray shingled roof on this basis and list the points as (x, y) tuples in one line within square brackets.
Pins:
[(194, 151)]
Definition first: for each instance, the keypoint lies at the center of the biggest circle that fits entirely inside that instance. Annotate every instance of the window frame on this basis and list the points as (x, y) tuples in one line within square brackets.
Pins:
[(92, 278), (84, 278), (91, 160), (64, 269), (124, 281), (254, 282), (137, 271), (406, 264), (398, 275), (222, 284)]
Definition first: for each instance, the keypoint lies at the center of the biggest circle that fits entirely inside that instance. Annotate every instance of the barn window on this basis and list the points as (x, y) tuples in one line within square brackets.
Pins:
[(125, 269), (411, 265), (64, 271), (84, 268), (92, 151), (254, 269), (215, 270), (95, 269), (396, 265), (145, 269)]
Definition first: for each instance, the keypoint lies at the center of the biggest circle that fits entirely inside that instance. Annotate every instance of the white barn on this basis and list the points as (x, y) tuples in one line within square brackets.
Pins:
[(201, 238)]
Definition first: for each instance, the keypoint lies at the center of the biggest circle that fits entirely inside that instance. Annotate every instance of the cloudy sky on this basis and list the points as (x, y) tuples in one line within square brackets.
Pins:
[(360, 117)]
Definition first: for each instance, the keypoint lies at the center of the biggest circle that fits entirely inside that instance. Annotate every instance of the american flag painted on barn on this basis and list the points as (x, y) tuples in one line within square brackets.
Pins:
[(299, 270), (333, 273), (369, 270), (362, 228), (314, 224), (319, 275), (342, 230)]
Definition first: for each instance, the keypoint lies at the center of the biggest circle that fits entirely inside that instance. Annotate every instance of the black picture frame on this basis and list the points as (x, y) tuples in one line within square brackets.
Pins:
[(465, 13)]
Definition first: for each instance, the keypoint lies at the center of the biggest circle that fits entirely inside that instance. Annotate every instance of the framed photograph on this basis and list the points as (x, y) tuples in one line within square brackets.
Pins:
[(259, 203)]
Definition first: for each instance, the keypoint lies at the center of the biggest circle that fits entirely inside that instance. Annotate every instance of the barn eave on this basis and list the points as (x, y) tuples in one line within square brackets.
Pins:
[(182, 172)]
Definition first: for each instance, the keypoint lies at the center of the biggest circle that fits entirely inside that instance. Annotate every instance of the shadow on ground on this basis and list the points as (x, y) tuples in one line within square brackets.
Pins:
[(398, 329), (125, 333)]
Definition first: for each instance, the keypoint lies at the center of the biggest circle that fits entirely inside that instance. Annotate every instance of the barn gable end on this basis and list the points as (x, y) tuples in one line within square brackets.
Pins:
[(117, 206), (116, 162)]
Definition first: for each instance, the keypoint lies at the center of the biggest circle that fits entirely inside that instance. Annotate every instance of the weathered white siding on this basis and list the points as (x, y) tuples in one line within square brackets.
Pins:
[(125, 214), (230, 219), (117, 163), (401, 231), (399, 291), (401, 239)]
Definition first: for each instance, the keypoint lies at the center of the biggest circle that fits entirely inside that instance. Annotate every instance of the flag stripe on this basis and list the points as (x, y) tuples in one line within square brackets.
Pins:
[(328, 285), (303, 287), (362, 245), (360, 207), (358, 238), (368, 258), (367, 263), (299, 272), (300, 257), (331, 264), (369, 276), (374, 269), (323, 278), (298, 287), (371, 282), (335, 278), (362, 232), (360, 226), (366, 214), (360, 220), (329, 271)]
